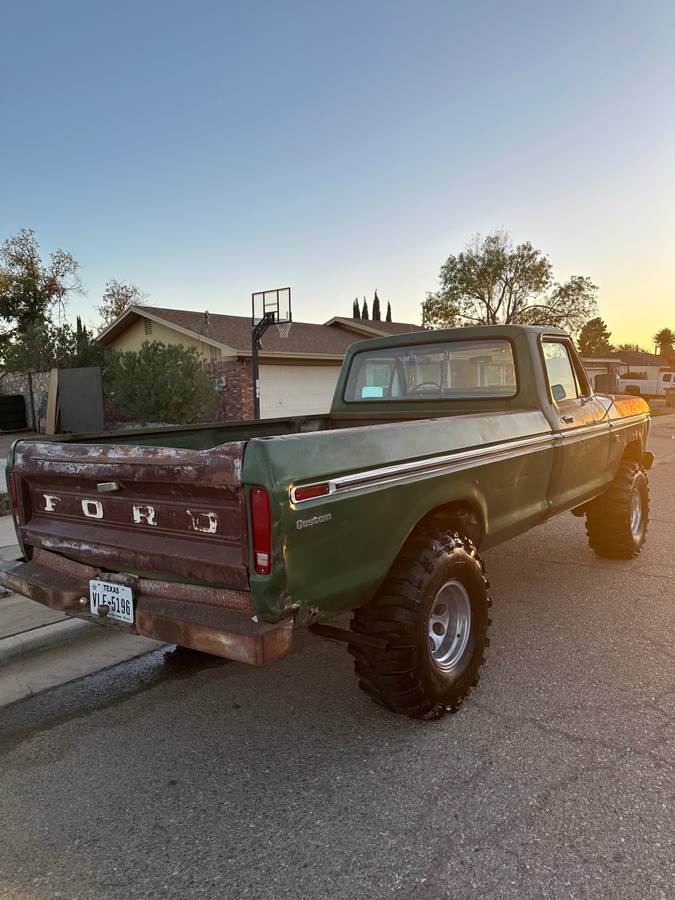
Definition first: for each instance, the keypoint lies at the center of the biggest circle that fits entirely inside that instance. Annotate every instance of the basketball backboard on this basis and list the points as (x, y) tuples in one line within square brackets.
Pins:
[(277, 302)]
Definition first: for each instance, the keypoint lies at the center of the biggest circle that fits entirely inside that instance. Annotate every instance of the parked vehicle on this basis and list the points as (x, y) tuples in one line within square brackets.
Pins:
[(646, 387), (226, 538)]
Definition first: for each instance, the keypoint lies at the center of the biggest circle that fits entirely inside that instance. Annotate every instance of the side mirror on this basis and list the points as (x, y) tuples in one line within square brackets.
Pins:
[(558, 392)]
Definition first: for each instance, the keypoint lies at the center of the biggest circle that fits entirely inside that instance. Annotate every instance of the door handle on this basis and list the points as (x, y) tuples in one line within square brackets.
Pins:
[(567, 419)]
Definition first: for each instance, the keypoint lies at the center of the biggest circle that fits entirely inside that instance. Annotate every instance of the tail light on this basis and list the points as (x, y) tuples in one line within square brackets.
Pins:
[(261, 530)]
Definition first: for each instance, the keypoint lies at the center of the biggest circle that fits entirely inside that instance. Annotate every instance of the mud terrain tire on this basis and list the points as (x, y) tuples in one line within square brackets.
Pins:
[(433, 608), (616, 522)]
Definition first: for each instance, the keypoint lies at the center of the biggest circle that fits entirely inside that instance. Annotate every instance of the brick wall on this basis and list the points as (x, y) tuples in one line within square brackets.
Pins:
[(236, 389)]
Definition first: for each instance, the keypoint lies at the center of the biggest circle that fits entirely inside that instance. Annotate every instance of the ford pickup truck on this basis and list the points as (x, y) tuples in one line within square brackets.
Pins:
[(227, 537)]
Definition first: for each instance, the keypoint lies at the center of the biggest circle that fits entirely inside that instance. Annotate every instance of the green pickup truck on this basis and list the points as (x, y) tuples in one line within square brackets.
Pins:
[(225, 538)]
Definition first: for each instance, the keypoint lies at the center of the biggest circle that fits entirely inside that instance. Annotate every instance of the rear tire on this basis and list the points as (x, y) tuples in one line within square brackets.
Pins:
[(433, 608), (616, 522)]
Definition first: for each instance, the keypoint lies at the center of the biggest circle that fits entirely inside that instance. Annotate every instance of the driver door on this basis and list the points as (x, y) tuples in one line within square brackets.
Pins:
[(582, 424)]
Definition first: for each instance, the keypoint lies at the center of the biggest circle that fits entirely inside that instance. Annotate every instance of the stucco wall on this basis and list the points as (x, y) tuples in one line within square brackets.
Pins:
[(133, 337)]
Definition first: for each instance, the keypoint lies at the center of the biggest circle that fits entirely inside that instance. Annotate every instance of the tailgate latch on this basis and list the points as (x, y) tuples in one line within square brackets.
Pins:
[(107, 487)]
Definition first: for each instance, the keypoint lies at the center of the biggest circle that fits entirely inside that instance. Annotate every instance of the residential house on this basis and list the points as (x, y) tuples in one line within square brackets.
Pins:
[(621, 362), (297, 373)]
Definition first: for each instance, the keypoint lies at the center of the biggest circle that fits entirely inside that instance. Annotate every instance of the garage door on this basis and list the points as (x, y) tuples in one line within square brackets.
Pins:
[(296, 390)]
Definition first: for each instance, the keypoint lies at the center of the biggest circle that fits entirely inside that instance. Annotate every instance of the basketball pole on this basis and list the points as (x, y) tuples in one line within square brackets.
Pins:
[(257, 332)]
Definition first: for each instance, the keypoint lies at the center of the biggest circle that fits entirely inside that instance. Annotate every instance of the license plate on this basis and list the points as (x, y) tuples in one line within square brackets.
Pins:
[(117, 597)]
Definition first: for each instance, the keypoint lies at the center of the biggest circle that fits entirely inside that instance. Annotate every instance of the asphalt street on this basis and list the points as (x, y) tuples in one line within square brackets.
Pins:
[(178, 775)]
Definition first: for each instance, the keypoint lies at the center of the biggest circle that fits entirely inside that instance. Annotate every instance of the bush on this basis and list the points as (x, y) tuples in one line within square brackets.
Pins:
[(161, 383)]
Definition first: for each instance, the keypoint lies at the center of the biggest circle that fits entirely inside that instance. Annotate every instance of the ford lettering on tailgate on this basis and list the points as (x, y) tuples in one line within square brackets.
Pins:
[(141, 509), (204, 521)]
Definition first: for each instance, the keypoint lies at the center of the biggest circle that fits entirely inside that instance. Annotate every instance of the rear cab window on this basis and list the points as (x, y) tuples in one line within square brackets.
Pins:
[(447, 371)]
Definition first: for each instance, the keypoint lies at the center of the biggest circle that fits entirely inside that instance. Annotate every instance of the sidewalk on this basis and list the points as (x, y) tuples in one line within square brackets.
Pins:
[(41, 648)]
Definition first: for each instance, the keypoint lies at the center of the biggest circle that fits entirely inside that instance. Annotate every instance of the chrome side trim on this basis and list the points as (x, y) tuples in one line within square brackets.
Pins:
[(597, 429), (467, 459), (449, 462), (630, 420)]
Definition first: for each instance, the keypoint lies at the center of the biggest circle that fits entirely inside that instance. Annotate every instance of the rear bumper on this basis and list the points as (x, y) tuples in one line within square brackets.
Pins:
[(213, 620)]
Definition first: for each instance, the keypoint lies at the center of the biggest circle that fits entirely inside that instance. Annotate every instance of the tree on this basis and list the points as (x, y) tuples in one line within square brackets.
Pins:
[(356, 312), (31, 288), (630, 348), (161, 383), (664, 340), (85, 350), (377, 315), (47, 344), (388, 311), (364, 310), (493, 281), (117, 298), (594, 338)]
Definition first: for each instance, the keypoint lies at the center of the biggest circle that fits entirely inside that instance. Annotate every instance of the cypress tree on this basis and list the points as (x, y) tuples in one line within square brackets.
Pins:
[(364, 311), (377, 315), (356, 312), (388, 311)]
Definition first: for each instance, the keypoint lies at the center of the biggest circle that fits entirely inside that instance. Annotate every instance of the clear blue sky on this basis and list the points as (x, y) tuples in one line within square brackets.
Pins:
[(207, 149)]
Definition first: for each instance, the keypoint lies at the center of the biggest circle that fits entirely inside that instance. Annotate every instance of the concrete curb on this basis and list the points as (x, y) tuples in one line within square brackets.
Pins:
[(42, 638)]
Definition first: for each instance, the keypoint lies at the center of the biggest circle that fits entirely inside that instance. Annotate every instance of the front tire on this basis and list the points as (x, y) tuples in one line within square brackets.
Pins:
[(433, 608), (616, 522)]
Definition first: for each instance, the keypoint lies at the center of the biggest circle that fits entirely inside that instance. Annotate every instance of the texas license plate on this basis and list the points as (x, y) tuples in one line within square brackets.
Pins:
[(118, 598)]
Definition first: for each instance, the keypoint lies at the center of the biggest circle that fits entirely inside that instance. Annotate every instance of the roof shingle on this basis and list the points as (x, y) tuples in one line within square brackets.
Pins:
[(304, 337)]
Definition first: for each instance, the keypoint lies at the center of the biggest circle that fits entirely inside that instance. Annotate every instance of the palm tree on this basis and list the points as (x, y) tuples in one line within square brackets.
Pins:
[(664, 340)]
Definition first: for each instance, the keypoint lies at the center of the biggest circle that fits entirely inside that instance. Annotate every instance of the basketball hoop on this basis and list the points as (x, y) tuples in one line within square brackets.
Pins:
[(267, 308)]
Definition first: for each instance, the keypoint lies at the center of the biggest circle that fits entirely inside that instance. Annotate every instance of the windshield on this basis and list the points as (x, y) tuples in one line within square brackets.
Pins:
[(450, 370)]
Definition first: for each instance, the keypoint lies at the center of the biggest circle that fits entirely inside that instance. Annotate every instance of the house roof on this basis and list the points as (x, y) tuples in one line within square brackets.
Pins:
[(370, 328), (631, 358), (233, 333), (639, 358)]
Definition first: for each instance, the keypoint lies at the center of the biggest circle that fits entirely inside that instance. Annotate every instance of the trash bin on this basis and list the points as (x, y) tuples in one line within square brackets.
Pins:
[(12, 412)]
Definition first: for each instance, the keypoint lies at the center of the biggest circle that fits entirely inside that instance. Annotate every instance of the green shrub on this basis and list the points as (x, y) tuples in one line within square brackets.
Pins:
[(161, 383)]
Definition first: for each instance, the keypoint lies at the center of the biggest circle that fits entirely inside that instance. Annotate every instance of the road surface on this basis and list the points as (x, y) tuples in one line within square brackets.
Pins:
[(176, 775)]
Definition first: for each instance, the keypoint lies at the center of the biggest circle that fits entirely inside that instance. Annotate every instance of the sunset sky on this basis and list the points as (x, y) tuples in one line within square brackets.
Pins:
[(207, 149)]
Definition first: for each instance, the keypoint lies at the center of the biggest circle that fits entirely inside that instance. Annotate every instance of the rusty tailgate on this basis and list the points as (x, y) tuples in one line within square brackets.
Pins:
[(148, 510)]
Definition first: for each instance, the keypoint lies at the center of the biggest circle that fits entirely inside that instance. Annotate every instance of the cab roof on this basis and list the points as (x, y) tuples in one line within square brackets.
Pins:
[(464, 333)]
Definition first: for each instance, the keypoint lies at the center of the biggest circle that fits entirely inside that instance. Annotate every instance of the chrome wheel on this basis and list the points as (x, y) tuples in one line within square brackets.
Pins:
[(449, 625), (636, 513)]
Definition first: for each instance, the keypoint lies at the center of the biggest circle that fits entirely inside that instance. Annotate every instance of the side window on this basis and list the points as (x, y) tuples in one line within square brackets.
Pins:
[(667, 376), (561, 377)]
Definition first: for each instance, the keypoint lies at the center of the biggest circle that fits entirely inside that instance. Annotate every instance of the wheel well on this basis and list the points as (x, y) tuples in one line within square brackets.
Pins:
[(460, 515), (633, 450)]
